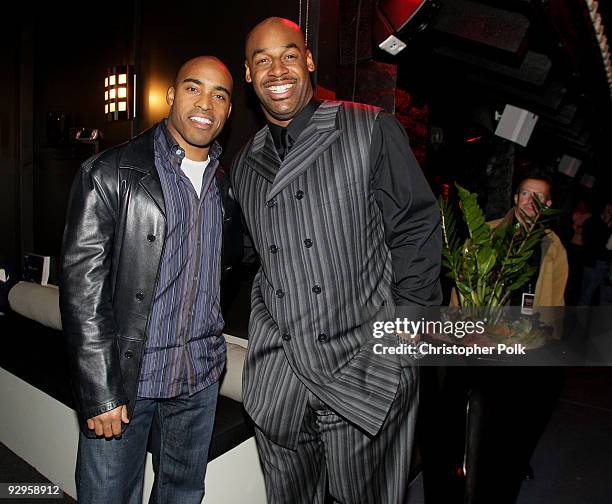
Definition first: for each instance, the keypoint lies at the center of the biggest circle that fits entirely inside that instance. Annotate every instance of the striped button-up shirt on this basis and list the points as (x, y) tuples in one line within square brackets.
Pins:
[(184, 331)]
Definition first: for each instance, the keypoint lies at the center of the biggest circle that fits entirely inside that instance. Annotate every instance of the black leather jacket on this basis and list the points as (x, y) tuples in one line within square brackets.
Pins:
[(113, 242)]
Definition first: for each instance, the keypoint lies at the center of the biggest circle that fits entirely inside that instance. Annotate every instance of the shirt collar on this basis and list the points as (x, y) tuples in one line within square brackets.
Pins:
[(297, 124), (174, 152)]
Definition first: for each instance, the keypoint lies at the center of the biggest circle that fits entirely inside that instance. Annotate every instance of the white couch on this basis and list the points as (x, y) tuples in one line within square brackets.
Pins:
[(51, 446)]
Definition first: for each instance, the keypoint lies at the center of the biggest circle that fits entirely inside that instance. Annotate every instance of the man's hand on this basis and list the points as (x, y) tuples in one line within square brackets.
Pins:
[(109, 424)]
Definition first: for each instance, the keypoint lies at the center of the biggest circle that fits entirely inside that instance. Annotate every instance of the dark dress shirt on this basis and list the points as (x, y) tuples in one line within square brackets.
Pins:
[(295, 127)]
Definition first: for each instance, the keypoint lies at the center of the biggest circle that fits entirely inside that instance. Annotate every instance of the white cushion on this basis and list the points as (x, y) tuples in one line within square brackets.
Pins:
[(231, 381), (41, 303), (37, 302)]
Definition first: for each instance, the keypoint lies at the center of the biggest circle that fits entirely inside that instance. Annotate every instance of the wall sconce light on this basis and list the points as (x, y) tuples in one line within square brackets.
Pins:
[(120, 93)]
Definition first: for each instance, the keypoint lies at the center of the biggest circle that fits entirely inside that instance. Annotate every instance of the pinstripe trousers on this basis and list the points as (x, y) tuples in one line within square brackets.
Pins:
[(335, 456)]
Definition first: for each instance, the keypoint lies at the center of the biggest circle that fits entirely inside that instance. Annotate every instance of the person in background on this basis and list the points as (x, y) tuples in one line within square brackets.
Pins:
[(597, 239), (579, 215), (509, 407), (550, 259), (576, 252), (519, 401), (140, 297)]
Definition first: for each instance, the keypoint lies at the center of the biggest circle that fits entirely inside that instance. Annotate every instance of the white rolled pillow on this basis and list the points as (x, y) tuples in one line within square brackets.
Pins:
[(41, 303), (231, 382), (37, 302)]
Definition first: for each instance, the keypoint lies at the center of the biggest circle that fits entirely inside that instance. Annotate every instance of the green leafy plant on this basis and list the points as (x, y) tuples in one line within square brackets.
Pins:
[(489, 263)]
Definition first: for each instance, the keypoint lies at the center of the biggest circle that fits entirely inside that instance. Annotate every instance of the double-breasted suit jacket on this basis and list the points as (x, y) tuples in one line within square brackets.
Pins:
[(325, 276)]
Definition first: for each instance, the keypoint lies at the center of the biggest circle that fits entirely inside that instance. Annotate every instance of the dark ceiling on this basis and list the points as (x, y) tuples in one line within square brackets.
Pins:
[(542, 56)]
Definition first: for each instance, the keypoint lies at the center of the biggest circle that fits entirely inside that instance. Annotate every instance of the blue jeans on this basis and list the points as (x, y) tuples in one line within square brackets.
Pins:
[(112, 470)]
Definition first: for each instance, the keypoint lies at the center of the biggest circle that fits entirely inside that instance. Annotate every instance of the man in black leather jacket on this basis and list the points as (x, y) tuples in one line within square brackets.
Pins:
[(139, 296)]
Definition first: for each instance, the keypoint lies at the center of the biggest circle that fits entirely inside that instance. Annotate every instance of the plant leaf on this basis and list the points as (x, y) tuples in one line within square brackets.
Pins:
[(485, 259), (478, 229)]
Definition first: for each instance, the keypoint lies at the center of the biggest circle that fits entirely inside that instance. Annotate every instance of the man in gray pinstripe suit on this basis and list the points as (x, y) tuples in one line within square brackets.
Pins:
[(346, 227)]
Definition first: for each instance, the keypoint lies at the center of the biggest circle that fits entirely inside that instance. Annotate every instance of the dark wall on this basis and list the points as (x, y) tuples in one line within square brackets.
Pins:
[(55, 65), (9, 157), (73, 48)]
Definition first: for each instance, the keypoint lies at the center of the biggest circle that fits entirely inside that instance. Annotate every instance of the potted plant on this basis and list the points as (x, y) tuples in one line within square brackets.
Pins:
[(488, 264)]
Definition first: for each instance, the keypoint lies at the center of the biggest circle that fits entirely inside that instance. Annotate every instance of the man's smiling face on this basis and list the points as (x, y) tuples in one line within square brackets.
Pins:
[(200, 103), (279, 66)]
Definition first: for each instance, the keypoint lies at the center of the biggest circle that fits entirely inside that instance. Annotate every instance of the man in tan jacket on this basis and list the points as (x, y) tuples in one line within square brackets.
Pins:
[(553, 268), (552, 272), (513, 405), (509, 406)]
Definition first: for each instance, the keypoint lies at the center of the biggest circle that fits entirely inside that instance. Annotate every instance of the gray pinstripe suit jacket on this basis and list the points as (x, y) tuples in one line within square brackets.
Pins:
[(326, 275)]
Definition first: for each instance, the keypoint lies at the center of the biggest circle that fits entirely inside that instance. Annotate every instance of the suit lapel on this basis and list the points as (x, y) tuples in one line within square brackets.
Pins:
[(152, 186), (320, 133), (140, 156), (264, 158)]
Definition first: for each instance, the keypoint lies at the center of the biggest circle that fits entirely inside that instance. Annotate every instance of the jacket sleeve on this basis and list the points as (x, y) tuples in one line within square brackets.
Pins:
[(249, 254), (85, 295), (410, 215)]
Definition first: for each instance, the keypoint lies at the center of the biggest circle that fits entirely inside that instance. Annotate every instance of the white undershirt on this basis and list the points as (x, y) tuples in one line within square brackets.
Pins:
[(194, 170)]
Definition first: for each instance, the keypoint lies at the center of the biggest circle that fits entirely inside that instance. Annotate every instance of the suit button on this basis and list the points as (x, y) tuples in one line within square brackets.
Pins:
[(271, 203), (286, 336), (323, 338), (316, 289), (151, 238), (273, 249), (280, 293), (129, 354), (308, 242), (299, 195), (139, 296)]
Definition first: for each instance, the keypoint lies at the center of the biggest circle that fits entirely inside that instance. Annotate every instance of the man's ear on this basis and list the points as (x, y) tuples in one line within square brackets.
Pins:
[(309, 61), (515, 199), (247, 72), (170, 96), (229, 110)]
